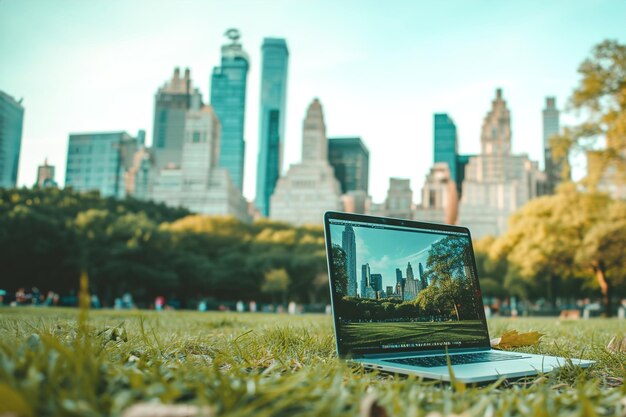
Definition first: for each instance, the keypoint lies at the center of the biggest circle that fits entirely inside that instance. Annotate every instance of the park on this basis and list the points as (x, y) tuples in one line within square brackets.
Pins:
[(150, 283), (100, 363)]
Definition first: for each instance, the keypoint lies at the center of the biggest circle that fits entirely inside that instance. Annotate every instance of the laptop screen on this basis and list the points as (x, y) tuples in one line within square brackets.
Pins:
[(402, 286)]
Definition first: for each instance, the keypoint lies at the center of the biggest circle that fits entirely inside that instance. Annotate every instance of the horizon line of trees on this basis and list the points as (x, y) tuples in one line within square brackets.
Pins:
[(48, 236)]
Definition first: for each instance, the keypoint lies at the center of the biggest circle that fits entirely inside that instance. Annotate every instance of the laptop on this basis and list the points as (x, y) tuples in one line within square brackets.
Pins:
[(406, 299)]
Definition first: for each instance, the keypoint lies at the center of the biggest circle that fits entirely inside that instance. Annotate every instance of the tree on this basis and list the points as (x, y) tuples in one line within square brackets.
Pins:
[(569, 234), (276, 282), (451, 275), (601, 99)]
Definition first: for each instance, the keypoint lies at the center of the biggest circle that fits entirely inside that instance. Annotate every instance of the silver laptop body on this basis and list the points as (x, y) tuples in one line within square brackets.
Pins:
[(406, 299)]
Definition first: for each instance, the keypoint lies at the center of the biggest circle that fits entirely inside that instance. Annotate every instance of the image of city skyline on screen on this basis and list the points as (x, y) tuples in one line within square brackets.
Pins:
[(400, 288)]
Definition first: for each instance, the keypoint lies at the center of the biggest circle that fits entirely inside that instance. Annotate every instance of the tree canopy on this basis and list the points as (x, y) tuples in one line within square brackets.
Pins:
[(48, 235)]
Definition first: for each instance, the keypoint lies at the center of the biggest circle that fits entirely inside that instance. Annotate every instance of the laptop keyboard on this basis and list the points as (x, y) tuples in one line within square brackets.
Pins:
[(461, 359)]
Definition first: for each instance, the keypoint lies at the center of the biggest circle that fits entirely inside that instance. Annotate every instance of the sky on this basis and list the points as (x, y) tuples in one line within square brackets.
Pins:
[(380, 69), (385, 250)]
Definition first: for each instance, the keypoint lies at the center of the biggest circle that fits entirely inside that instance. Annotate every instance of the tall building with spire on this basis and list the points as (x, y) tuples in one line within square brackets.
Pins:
[(497, 182), (228, 98), (309, 188), (411, 285), (551, 127), (171, 103), (275, 58), (11, 122), (348, 244)]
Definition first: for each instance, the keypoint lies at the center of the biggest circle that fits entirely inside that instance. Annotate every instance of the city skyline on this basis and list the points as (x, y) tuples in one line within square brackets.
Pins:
[(384, 255), (65, 98)]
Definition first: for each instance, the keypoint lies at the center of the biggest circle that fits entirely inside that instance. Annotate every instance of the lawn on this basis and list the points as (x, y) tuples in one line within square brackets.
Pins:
[(376, 334), (261, 365)]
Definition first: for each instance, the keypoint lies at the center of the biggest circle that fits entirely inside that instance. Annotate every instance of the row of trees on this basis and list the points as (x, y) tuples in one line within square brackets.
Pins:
[(47, 236), (572, 243)]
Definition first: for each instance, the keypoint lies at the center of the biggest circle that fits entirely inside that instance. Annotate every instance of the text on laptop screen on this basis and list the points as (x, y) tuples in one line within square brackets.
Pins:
[(397, 288)]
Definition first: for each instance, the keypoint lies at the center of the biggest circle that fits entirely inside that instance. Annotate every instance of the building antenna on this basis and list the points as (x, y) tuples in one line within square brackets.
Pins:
[(233, 35)]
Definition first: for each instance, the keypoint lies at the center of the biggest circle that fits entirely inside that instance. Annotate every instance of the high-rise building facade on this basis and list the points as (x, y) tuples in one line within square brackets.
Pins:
[(377, 283), (365, 280), (228, 98), (348, 244), (45, 175), (445, 143), (199, 184), (551, 127), (99, 161), (309, 188), (11, 122), (439, 196), (275, 58), (350, 159), (171, 103), (497, 182)]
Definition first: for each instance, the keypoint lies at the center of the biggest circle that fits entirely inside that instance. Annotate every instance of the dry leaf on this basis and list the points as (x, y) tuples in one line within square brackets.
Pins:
[(617, 344), (371, 408), (512, 338), (163, 410)]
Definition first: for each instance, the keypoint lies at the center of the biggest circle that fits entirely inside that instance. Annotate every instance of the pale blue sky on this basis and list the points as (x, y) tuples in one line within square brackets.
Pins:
[(380, 69)]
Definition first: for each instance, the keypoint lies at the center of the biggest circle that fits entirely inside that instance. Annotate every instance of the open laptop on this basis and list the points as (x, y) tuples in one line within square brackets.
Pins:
[(406, 299)]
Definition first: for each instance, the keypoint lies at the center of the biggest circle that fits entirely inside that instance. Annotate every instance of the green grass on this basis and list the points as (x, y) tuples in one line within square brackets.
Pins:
[(375, 334), (261, 365)]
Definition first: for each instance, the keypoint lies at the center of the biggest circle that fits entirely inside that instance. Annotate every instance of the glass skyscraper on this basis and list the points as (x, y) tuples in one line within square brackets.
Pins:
[(350, 159), (446, 147), (11, 121), (551, 127), (271, 120), (98, 162), (228, 98), (348, 244)]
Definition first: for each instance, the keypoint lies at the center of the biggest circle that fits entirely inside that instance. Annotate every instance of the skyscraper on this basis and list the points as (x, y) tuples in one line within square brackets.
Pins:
[(171, 103), (11, 121), (495, 138), (199, 184), (310, 188), (348, 244), (350, 159), (497, 182), (228, 98), (551, 127), (411, 285), (445, 143), (439, 196), (376, 282), (271, 120), (365, 280), (423, 280), (99, 161), (45, 175)]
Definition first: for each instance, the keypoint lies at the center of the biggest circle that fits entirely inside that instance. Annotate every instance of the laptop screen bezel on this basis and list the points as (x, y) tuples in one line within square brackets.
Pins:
[(345, 352)]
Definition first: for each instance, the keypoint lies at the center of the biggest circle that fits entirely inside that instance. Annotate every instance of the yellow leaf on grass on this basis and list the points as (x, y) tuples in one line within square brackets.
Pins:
[(512, 338)]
